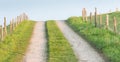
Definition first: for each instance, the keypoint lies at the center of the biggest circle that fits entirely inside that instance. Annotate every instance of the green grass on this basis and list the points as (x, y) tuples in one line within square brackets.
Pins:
[(59, 50), (111, 16), (105, 41), (13, 47)]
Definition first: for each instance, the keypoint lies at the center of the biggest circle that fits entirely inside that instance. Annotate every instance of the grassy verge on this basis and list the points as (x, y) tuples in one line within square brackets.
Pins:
[(59, 49), (14, 45), (104, 40), (111, 23)]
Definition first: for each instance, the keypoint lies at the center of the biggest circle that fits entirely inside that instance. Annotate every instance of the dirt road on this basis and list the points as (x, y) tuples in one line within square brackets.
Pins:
[(83, 51), (37, 48)]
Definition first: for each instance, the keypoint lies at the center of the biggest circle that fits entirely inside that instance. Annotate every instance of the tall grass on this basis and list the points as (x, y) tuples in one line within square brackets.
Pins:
[(13, 47)]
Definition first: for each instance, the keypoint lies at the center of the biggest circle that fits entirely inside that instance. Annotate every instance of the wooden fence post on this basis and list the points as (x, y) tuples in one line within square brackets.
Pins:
[(85, 12), (1, 33), (13, 24), (26, 17), (95, 17), (5, 28), (117, 10), (23, 16), (110, 11), (18, 19), (11, 29), (115, 25), (83, 16), (100, 22), (107, 21), (90, 17)]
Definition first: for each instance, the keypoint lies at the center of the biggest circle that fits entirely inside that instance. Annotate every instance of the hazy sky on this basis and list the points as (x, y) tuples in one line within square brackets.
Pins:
[(53, 9)]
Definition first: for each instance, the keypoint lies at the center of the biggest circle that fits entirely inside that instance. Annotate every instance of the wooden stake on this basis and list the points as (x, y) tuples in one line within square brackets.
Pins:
[(1, 33), (90, 17), (100, 21), (86, 18), (110, 11), (117, 10), (13, 24), (107, 21), (4, 32), (11, 27), (27, 18), (83, 16), (23, 16), (85, 13), (18, 19), (5, 28), (115, 25), (95, 17)]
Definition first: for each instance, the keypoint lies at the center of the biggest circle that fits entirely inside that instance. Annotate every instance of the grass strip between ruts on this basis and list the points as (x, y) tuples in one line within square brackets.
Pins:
[(59, 50)]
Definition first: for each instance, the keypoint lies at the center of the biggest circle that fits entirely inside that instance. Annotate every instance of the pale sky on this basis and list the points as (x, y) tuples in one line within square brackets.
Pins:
[(41, 10)]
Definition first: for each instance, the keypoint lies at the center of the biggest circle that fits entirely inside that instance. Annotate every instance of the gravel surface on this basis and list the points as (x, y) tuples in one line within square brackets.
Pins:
[(83, 51), (37, 48)]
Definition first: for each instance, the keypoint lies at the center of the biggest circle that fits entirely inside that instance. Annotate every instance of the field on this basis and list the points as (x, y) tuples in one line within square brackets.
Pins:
[(13, 47), (60, 31), (59, 50), (105, 41)]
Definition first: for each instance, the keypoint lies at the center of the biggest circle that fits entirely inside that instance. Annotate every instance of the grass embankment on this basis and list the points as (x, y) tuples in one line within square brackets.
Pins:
[(104, 40), (59, 50), (111, 23), (14, 45)]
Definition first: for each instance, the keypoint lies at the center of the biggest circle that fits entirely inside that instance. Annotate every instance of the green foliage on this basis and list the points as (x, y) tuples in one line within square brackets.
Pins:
[(104, 40), (14, 45), (59, 49)]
